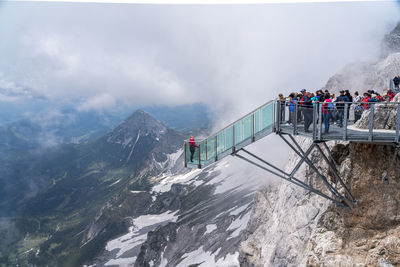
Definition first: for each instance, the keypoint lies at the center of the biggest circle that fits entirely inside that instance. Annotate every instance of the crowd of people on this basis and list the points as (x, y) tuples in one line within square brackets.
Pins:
[(333, 107)]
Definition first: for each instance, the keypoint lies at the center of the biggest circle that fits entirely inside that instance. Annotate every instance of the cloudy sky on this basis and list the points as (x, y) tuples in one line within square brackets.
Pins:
[(231, 57)]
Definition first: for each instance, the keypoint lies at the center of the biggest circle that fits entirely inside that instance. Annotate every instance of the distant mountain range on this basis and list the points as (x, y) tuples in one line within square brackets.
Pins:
[(49, 129), (123, 198), (51, 195)]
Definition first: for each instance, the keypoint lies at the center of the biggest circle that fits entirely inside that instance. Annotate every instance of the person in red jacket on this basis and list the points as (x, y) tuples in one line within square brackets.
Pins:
[(366, 100), (390, 94), (192, 147)]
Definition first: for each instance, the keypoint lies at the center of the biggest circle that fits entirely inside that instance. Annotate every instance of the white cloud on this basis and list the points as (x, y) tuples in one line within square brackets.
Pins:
[(98, 102), (232, 57)]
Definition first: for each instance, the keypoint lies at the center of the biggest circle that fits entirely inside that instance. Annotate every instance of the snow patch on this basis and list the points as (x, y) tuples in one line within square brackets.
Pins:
[(237, 211), (164, 261), (122, 262), (137, 192), (210, 228), (239, 225), (116, 182), (205, 258), (134, 237), (165, 184), (133, 147)]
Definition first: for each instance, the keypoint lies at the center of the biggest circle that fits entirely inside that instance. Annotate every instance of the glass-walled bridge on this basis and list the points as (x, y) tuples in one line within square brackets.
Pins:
[(274, 117)]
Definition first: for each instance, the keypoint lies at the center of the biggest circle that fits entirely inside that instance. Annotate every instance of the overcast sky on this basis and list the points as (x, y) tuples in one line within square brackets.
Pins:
[(231, 57)]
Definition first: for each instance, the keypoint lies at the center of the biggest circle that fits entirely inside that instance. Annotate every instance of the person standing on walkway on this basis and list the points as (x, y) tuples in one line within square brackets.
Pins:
[(326, 110), (300, 114), (390, 94), (340, 101), (358, 108), (192, 147), (307, 109), (396, 82), (282, 102), (291, 104), (333, 111), (366, 100), (347, 93)]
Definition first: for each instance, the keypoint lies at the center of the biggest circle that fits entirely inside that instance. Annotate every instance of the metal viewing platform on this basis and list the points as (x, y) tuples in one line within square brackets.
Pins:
[(284, 118)]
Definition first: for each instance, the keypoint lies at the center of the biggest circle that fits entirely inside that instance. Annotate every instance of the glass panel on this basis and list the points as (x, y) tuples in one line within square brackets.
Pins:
[(267, 116), (220, 143), (238, 133), (228, 137), (202, 152), (257, 122), (187, 159), (211, 148), (247, 127)]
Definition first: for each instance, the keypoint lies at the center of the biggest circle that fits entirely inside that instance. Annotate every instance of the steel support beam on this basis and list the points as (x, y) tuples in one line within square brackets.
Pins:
[(330, 155), (301, 153), (335, 172), (293, 181), (336, 197)]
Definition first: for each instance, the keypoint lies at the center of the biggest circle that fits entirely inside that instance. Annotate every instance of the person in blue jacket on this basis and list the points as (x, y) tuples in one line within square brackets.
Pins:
[(340, 104)]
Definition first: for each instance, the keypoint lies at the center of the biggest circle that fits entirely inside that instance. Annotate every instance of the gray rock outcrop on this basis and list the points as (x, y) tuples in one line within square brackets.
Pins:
[(385, 116)]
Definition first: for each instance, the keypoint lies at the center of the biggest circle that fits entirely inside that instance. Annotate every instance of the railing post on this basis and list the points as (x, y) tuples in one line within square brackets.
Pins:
[(199, 166), (295, 118), (233, 139), (224, 140), (184, 154), (345, 121), (216, 147), (396, 139), (206, 148), (320, 122), (253, 138), (241, 130), (371, 122), (273, 116), (278, 116), (314, 134)]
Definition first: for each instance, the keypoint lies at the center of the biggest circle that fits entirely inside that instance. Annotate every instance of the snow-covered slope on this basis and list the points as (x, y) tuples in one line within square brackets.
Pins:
[(196, 217)]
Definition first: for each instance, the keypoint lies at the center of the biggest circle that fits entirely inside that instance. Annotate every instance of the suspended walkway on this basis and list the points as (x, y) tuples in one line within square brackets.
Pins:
[(273, 117)]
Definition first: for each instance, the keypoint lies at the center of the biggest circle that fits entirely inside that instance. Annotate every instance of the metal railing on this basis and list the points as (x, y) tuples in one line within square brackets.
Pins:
[(287, 117), (348, 121)]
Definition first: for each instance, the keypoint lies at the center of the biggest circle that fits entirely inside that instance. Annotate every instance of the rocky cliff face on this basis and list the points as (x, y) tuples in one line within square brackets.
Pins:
[(293, 227), (282, 221), (369, 234)]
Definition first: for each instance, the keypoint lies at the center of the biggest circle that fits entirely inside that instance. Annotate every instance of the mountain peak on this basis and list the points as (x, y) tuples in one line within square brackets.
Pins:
[(140, 123), (144, 121)]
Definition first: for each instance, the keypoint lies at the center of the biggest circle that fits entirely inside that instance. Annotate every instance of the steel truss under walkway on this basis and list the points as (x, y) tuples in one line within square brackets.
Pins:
[(344, 199)]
